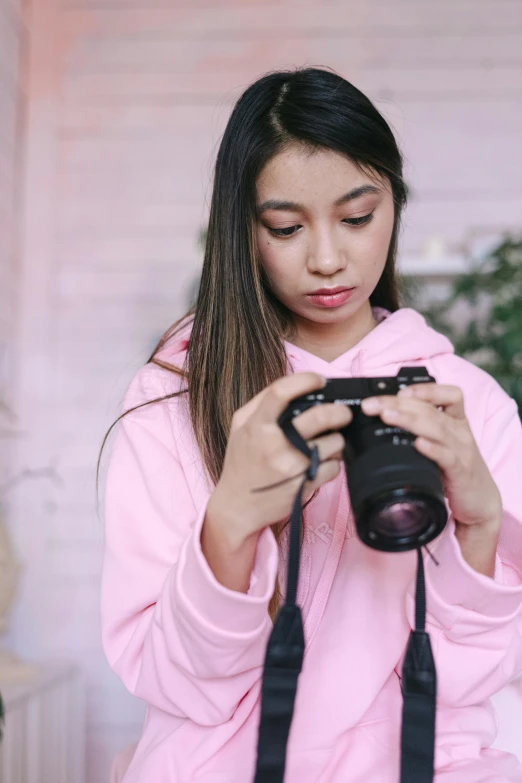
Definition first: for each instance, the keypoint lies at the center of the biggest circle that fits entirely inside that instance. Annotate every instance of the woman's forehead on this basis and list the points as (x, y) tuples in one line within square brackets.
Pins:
[(301, 170)]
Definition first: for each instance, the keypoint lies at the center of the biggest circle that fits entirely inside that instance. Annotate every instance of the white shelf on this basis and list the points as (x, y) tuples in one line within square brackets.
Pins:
[(443, 266)]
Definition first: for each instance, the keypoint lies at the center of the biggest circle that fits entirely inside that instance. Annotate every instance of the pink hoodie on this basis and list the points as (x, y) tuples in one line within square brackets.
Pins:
[(194, 650)]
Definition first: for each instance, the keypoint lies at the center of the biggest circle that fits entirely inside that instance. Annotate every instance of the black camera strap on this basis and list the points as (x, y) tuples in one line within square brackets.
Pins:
[(419, 693), (285, 649), (284, 660)]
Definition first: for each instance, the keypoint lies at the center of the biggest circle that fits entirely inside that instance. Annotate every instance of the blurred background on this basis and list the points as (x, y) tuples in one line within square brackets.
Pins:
[(111, 112)]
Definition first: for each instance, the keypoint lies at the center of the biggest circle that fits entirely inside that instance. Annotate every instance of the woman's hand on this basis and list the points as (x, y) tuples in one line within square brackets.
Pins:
[(258, 455), (435, 414)]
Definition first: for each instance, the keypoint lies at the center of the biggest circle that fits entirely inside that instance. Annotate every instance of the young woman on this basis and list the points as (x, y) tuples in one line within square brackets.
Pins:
[(299, 284)]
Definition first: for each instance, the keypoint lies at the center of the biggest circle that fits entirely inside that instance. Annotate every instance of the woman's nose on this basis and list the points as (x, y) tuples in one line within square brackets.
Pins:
[(325, 256)]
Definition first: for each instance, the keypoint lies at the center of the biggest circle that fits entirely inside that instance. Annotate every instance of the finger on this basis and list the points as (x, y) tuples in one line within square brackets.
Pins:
[(419, 418), (321, 418), (280, 393), (291, 465), (327, 471), (308, 381), (329, 446), (373, 406), (438, 395), (248, 410), (424, 422), (442, 455)]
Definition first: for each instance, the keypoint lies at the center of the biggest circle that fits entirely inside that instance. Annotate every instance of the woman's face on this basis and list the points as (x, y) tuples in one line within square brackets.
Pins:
[(322, 224)]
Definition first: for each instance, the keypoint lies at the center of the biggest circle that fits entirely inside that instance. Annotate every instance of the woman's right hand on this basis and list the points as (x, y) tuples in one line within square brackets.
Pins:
[(259, 454)]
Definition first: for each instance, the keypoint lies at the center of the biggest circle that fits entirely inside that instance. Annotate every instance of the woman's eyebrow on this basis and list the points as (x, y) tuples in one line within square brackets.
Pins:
[(291, 206)]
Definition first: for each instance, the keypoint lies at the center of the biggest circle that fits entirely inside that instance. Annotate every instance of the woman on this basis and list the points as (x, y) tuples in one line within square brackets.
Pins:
[(299, 284)]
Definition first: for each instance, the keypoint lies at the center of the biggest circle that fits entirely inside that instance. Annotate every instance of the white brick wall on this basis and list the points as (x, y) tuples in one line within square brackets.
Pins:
[(127, 103)]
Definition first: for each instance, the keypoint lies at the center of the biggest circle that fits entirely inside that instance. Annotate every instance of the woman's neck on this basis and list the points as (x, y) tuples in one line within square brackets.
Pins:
[(329, 341)]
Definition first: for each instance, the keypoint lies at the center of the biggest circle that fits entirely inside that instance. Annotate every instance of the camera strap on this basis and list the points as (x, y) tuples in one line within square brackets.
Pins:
[(285, 649), (419, 693), (284, 660)]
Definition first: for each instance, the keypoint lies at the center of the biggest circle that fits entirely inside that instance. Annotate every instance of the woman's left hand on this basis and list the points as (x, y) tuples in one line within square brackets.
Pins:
[(435, 414)]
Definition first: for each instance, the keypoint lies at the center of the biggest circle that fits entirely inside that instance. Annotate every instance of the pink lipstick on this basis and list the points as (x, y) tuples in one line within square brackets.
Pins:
[(331, 297)]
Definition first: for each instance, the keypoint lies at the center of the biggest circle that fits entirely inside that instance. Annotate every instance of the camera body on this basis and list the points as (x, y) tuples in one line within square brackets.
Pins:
[(396, 493)]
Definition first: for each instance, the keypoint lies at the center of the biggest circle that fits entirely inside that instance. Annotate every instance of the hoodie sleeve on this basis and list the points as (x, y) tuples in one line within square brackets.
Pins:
[(176, 637), (476, 622)]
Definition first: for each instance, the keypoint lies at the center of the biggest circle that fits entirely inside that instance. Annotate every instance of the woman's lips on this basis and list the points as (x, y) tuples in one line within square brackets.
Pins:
[(333, 299)]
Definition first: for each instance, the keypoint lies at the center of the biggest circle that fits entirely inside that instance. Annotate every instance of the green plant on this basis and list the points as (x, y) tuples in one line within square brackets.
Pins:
[(483, 315)]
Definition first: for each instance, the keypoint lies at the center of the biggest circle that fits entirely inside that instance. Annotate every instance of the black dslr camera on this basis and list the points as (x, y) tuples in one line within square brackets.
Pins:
[(396, 493)]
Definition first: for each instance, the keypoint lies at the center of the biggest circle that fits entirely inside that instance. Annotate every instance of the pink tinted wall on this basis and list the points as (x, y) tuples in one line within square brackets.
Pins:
[(11, 46), (127, 101)]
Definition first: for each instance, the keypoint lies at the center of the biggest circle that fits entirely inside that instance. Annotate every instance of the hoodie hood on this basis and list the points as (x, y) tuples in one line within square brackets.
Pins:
[(399, 339)]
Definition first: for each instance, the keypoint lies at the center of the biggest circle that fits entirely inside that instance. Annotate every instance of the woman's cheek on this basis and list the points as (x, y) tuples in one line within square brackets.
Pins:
[(280, 264), (374, 254)]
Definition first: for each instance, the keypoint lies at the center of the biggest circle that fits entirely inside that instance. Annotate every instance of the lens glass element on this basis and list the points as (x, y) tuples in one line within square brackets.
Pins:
[(404, 518)]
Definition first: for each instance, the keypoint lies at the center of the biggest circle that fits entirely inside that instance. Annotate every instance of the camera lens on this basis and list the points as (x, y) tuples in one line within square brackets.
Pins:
[(406, 518), (397, 498), (402, 520)]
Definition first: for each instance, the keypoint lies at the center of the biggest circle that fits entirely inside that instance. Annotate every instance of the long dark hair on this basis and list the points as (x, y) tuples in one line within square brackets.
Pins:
[(236, 343)]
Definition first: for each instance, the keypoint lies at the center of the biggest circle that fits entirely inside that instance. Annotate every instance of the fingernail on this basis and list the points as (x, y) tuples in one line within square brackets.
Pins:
[(406, 392), (370, 405)]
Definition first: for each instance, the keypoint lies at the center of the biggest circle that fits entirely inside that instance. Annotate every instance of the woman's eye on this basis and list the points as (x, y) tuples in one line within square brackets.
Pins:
[(288, 232), (284, 232), (359, 221)]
